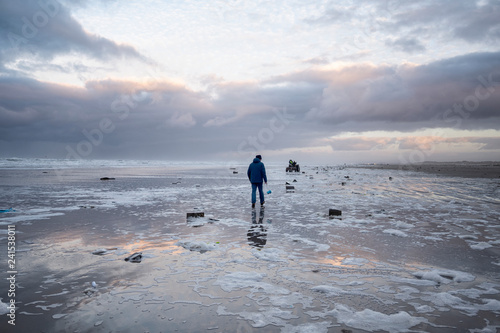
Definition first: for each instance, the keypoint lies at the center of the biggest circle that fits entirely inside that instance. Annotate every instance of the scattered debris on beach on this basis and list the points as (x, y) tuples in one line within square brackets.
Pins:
[(334, 213), (195, 215), (135, 257)]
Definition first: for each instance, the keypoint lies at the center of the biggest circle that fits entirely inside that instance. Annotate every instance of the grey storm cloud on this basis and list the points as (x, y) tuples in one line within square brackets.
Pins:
[(42, 29), (465, 86), (167, 119)]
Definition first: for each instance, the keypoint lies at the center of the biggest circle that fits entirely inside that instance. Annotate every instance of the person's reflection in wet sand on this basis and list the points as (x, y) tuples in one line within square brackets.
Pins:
[(257, 234)]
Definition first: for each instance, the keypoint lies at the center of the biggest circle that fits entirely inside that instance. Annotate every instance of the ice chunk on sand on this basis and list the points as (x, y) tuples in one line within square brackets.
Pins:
[(370, 320)]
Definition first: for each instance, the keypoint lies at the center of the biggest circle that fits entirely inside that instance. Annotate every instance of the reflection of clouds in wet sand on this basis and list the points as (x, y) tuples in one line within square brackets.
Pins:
[(302, 272)]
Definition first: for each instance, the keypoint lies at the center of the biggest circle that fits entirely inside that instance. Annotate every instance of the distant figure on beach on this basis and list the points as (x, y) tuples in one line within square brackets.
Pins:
[(256, 174), (257, 234)]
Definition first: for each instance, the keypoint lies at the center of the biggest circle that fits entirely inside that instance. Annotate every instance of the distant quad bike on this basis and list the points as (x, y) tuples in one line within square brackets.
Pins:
[(293, 168)]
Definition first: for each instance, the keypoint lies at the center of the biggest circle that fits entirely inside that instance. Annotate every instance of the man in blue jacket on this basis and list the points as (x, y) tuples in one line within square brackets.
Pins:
[(256, 173)]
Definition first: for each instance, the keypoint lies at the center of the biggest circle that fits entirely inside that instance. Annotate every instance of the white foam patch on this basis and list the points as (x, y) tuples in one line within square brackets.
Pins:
[(3, 308), (321, 327), (487, 329), (241, 280), (480, 245), (423, 308), (288, 301), (403, 225), (444, 299), (58, 315), (395, 232), (355, 261), (444, 276), (269, 254), (318, 246), (197, 246), (490, 305), (268, 316), (468, 237), (370, 320), (405, 293), (50, 306), (30, 216), (329, 290)]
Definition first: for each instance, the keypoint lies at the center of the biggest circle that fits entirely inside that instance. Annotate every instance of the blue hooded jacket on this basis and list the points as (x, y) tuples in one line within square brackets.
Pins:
[(257, 171)]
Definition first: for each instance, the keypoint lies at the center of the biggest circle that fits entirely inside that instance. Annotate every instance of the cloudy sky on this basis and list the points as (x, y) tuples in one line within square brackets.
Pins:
[(316, 81)]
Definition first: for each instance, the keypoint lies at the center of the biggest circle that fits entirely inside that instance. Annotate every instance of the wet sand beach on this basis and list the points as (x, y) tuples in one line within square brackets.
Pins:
[(414, 253)]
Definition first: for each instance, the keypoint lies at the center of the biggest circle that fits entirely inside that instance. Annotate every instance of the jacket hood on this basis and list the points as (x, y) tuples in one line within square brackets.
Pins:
[(256, 160)]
